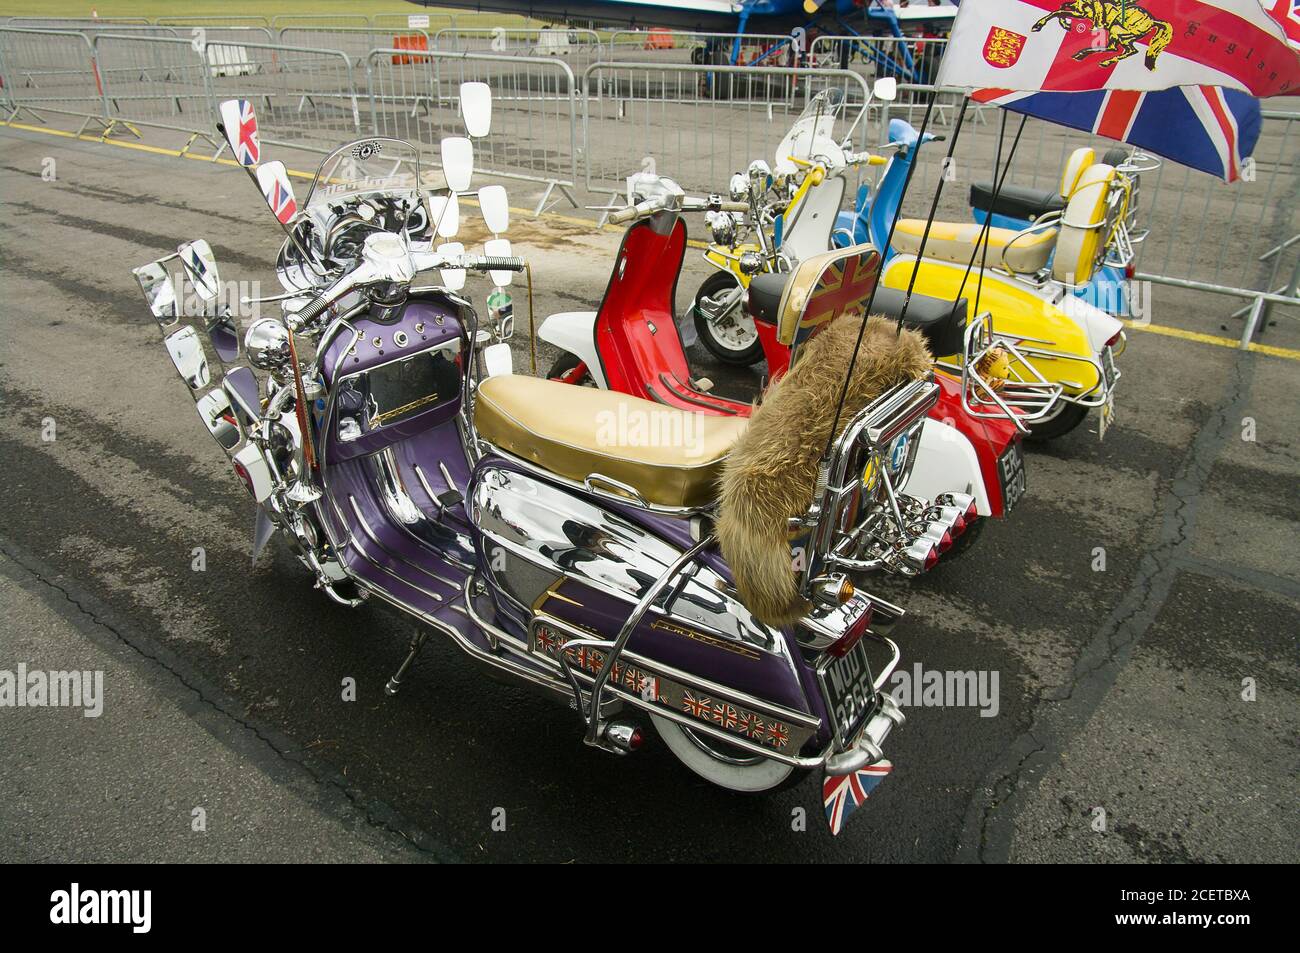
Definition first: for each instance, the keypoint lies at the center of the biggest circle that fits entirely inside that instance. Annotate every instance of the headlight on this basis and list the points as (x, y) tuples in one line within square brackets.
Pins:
[(267, 344), (739, 188), (723, 227)]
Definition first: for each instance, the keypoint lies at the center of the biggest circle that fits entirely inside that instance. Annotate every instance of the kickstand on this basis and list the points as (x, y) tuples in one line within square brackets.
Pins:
[(395, 683)]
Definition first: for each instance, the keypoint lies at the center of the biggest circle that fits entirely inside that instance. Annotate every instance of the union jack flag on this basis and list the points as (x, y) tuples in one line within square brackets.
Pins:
[(279, 194), (240, 120), (1206, 127), (1081, 45), (844, 794)]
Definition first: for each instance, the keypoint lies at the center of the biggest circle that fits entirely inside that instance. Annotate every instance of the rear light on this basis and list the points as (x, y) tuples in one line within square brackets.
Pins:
[(1130, 270), (852, 635), (636, 740), (932, 557), (945, 542), (1114, 338)]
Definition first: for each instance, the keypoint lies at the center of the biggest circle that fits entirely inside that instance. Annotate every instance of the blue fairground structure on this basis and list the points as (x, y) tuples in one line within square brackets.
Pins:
[(866, 20)]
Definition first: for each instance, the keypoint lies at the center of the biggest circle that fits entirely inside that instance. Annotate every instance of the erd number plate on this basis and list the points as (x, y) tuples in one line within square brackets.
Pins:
[(1011, 470)]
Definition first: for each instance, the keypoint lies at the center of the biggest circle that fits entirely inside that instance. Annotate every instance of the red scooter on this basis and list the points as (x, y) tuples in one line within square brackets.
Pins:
[(631, 344)]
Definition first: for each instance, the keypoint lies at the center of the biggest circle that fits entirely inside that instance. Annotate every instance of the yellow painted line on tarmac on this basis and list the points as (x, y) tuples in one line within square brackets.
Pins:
[(1214, 340), (1287, 353)]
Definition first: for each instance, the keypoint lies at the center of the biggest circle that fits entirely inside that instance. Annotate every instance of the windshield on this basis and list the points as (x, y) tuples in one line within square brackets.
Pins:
[(813, 134), (370, 165)]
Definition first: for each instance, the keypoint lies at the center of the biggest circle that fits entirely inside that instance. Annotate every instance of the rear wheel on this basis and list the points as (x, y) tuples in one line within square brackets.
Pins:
[(1061, 421), (726, 765), (732, 339)]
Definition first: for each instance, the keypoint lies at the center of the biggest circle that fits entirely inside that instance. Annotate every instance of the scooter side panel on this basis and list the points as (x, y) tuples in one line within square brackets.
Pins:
[(549, 549), (1017, 311)]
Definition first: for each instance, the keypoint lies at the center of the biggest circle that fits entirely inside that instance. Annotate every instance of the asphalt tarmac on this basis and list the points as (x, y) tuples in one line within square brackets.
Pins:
[(1121, 731)]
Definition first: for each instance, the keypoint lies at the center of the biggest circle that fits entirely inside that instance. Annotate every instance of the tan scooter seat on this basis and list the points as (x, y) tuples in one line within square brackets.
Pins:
[(671, 457), (955, 241)]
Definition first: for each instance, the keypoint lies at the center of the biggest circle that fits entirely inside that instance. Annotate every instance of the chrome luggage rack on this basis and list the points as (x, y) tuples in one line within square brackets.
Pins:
[(1023, 399)]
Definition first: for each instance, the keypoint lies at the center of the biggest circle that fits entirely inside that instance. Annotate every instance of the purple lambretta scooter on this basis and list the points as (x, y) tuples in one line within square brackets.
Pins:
[(529, 521)]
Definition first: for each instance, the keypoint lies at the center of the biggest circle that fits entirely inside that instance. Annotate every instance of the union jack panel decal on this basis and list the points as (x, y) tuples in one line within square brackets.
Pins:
[(274, 181)]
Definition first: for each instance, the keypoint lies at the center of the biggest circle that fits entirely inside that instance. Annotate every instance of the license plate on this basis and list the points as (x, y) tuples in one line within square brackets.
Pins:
[(849, 690), (1011, 470), (1107, 408)]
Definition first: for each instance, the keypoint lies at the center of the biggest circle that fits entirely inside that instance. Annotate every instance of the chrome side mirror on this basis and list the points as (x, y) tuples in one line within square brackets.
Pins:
[(498, 248), (239, 126), (452, 278), (445, 211), (495, 206), (215, 411), (201, 269), (186, 352), (273, 179), (224, 337), (159, 292), (885, 89), (457, 162), (476, 108)]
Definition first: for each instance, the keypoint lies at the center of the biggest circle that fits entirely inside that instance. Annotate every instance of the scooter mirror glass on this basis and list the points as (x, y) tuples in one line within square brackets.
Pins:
[(495, 206), (498, 248), (239, 126), (186, 352), (445, 210), (201, 269), (458, 162), (215, 412), (476, 108), (225, 338), (885, 89), (156, 284), (497, 359), (273, 178), (452, 278)]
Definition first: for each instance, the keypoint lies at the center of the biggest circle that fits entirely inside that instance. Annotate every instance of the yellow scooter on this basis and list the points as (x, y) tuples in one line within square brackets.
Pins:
[(1032, 345)]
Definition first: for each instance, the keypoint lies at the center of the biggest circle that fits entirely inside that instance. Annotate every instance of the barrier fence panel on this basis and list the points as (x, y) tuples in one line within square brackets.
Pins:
[(305, 98), (324, 19), (534, 110), (223, 33), (684, 46), (356, 42), (49, 70), (75, 23), (428, 22), (698, 124), (155, 81), (578, 48), (216, 21)]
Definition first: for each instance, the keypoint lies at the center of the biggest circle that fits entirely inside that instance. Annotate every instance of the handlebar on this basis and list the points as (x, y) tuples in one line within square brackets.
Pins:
[(367, 273), (651, 206)]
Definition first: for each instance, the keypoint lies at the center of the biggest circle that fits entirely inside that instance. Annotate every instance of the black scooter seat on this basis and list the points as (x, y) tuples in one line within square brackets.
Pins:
[(765, 296), (1016, 201), (942, 325)]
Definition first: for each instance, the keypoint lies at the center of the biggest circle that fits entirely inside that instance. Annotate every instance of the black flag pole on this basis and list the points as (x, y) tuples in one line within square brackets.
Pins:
[(889, 239)]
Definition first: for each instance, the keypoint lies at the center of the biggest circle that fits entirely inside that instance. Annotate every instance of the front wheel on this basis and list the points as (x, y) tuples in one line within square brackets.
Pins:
[(568, 369), (1065, 418), (732, 339), (725, 765)]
